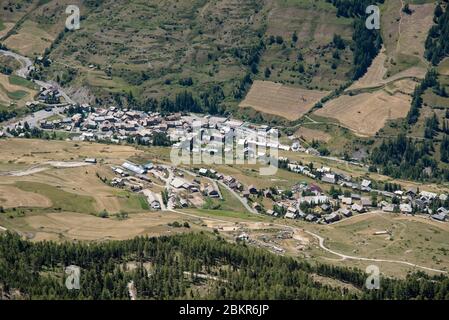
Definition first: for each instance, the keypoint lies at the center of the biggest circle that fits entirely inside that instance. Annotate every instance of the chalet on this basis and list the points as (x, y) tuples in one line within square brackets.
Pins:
[(257, 206), (315, 188), (405, 208), (252, 189), (325, 207), (329, 178), (439, 216), (311, 218), (333, 217), (420, 204), (345, 212), (301, 214), (177, 183), (388, 208), (211, 192), (358, 208), (183, 203), (411, 192), (267, 193), (245, 194), (356, 196), (428, 195), (346, 200), (314, 200), (365, 183), (366, 202), (290, 215)]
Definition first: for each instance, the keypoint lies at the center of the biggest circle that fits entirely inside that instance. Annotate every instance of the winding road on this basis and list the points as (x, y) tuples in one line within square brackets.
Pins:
[(24, 71), (345, 257)]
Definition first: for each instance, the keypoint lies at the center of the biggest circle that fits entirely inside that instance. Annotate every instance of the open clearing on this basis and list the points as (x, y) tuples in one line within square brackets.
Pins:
[(275, 98), (405, 36), (376, 75), (443, 68), (416, 240), (414, 29), (366, 113)]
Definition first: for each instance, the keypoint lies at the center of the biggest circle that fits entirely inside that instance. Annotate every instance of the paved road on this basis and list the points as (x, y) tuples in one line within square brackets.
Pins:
[(33, 119), (25, 71)]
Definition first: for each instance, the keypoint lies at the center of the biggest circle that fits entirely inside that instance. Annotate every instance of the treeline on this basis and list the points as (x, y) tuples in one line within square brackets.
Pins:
[(367, 43), (5, 115), (429, 81), (437, 44), (209, 102), (168, 268), (405, 158)]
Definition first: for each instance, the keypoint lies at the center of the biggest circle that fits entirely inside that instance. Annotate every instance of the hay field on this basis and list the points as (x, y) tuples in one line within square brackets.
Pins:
[(313, 134), (33, 151), (405, 86), (375, 74), (405, 35), (366, 113), (77, 226), (414, 29), (30, 40), (278, 99)]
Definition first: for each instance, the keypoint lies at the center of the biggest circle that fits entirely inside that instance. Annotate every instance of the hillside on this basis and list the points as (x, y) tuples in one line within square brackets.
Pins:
[(192, 45)]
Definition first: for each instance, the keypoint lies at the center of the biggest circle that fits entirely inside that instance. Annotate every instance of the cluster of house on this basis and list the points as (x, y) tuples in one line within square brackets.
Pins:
[(407, 202), (136, 181), (115, 125), (47, 95)]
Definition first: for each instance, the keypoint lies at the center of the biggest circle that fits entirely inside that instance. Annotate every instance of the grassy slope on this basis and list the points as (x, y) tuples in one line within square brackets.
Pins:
[(168, 40), (315, 23)]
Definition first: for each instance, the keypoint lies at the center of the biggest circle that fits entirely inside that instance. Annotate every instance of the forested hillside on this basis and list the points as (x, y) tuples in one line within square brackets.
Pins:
[(167, 267), (437, 44)]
